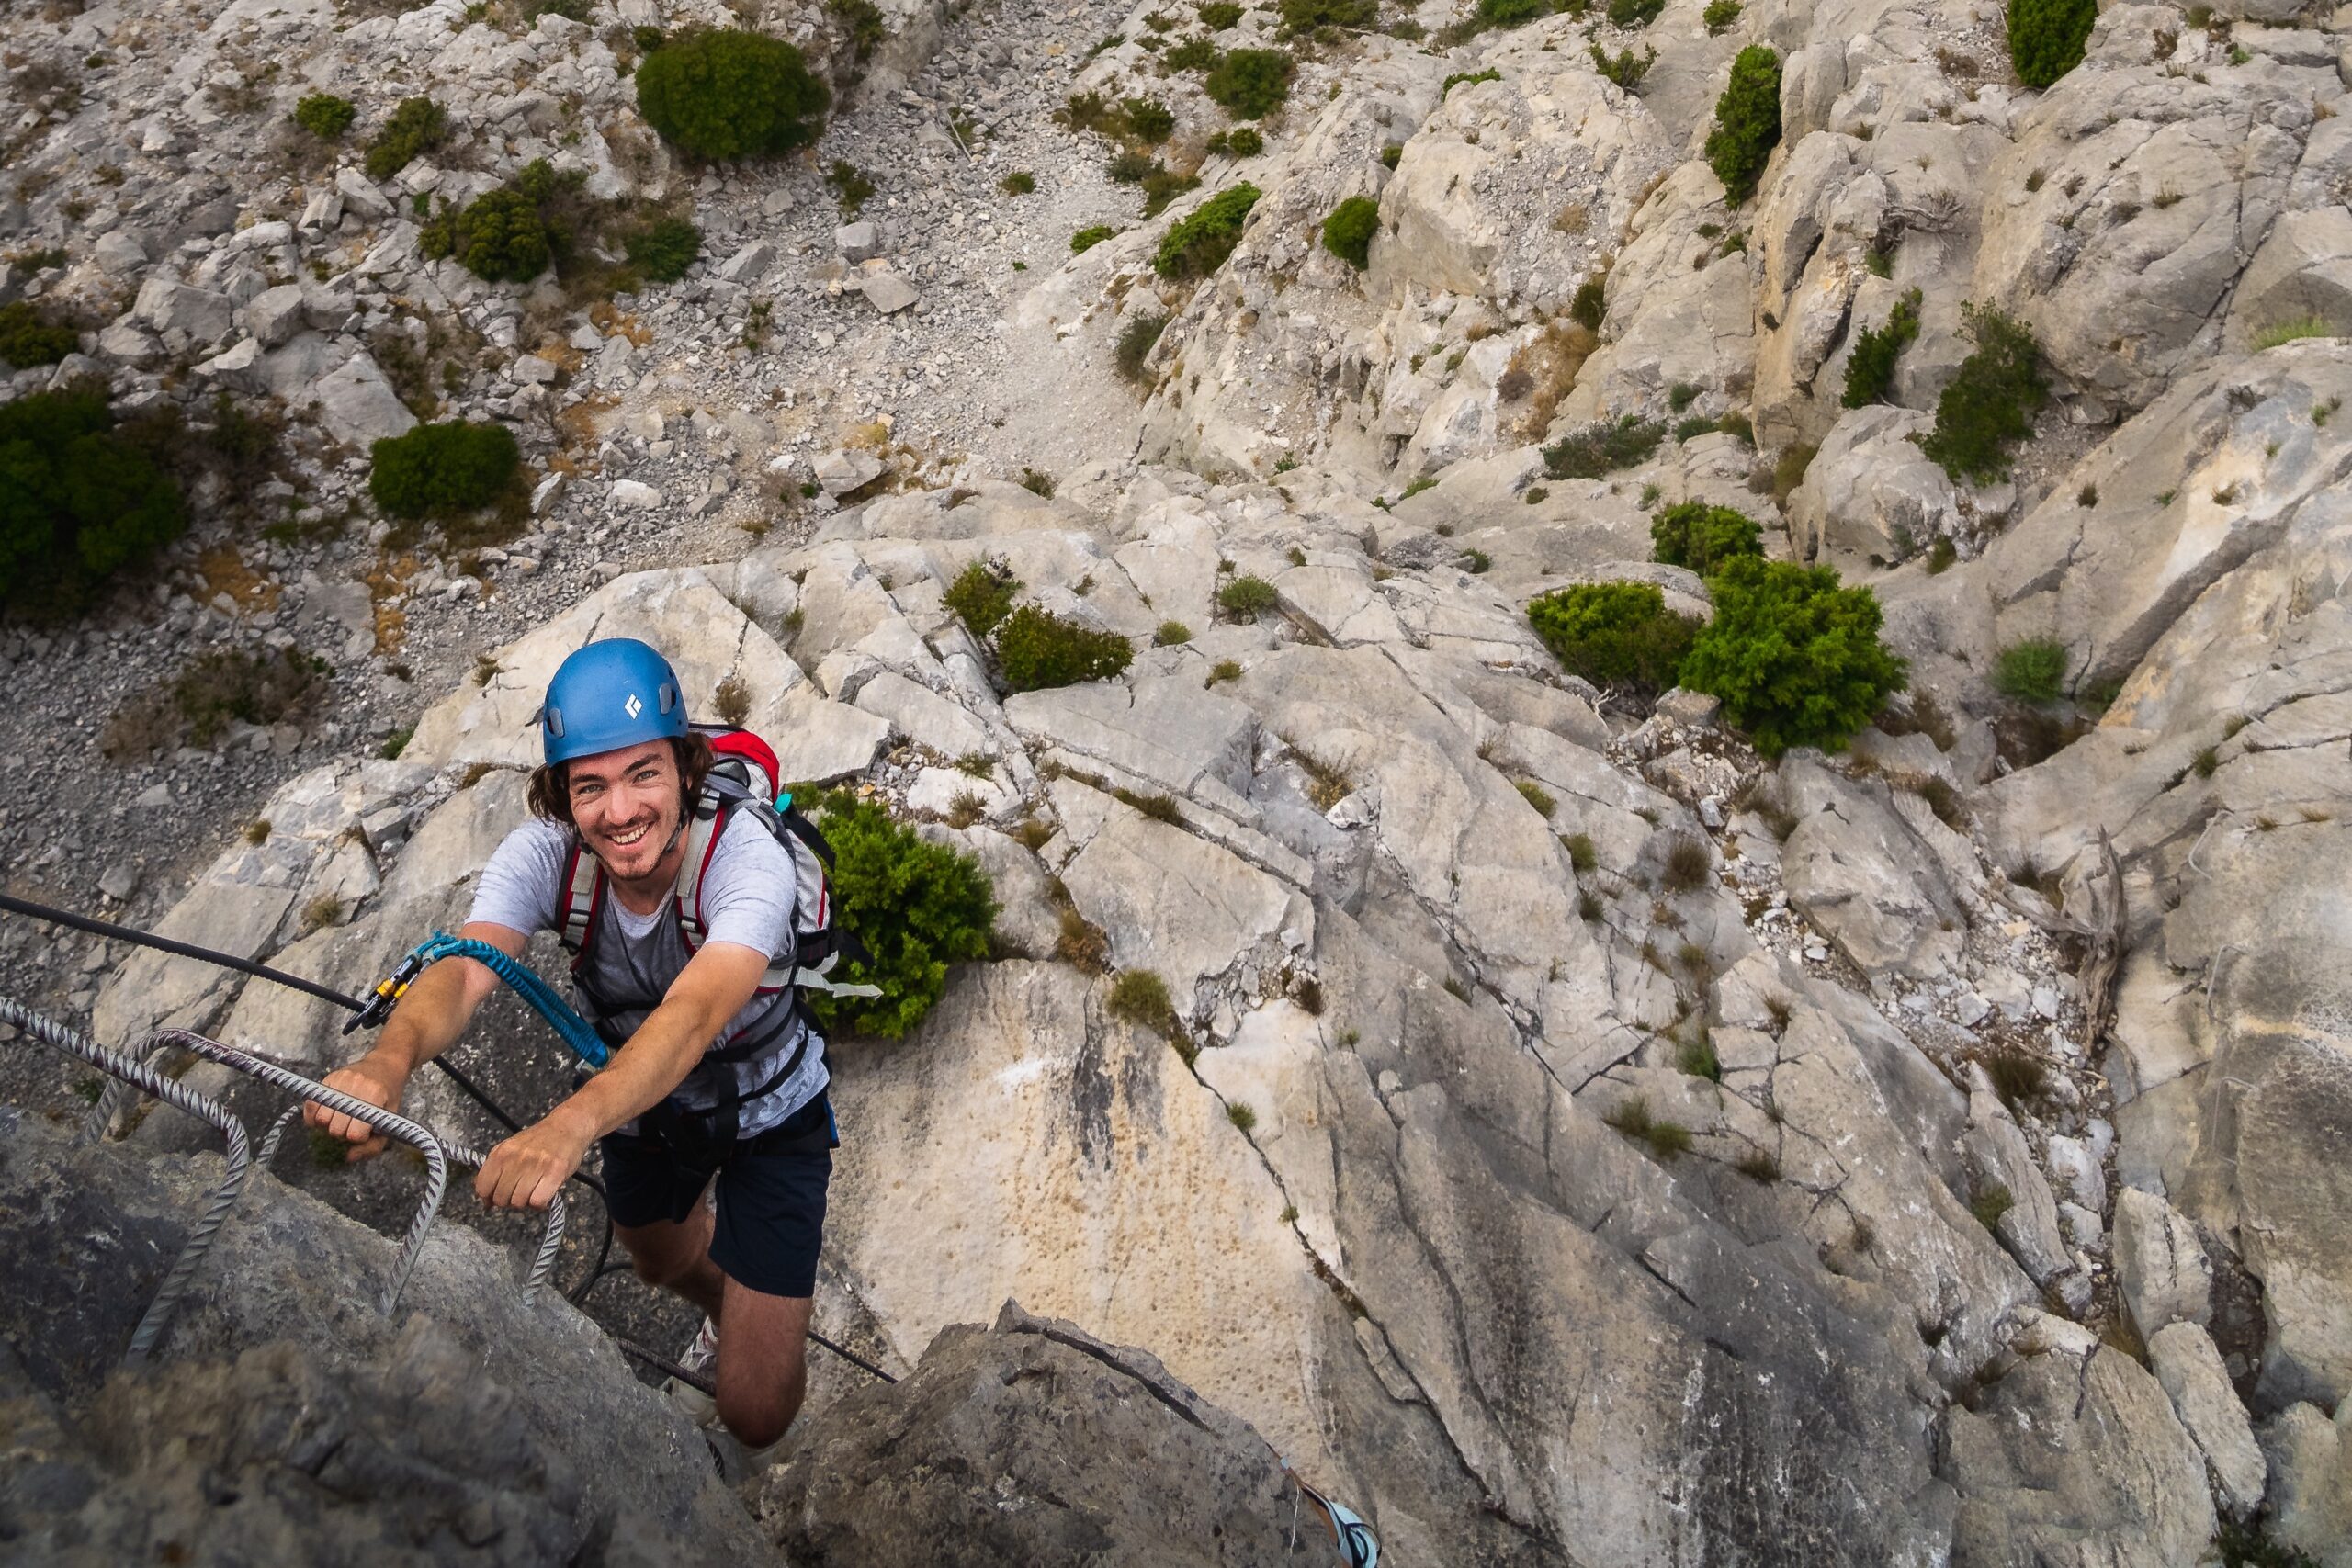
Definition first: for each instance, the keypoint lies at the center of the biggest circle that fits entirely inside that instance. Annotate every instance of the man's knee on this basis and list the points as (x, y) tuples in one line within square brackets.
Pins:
[(756, 1419)]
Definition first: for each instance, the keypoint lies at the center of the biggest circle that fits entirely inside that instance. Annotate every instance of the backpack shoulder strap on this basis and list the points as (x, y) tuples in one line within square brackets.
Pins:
[(583, 892), (706, 824)]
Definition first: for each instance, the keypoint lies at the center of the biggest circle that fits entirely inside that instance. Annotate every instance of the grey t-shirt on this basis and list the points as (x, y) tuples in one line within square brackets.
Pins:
[(747, 899)]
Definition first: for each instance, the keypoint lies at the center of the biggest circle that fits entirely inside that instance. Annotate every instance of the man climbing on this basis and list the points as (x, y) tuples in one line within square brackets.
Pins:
[(678, 899)]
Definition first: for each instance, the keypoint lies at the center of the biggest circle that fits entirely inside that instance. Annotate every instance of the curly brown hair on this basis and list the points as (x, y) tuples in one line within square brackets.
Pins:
[(550, 786)]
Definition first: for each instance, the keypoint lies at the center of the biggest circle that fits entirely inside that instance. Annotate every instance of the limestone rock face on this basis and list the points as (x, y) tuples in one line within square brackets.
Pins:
[(1032, 1442), (283, 1416)]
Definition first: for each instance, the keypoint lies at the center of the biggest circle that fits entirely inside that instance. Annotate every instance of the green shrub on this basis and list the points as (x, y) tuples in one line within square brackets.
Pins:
[(1171, 632), (1794, 654), (1140, 996), (2046, 37), (1021, 182), (498, 236), (917, 905), (1162, 186), (1247, 598), (863, 23), (2033, 671), (980, 598), (1624, 68), (1131, 165), (1987, 406), (851, 187), (1510, 13), (1703, 537), (324, 115), (731, 93), (1305, 16), (27, 338), (1589, 305), (1036, 651), (665, 249), (1196, 245), (1243, 141), (1870, 367), (1193, 55), (1135, 343), (1150, 121), (1634, 13), (1219, 15), (1088, 237), (1614, 634), (1462, 79), (1748, 122), (416, 125), (1603, 448), (1719, 15), (1251, 83), (1348, 231), (77, 501), (440, 470)]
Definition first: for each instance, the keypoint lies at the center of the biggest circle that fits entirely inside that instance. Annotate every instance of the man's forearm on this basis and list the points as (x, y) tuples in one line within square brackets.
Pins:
[(642, 1073)]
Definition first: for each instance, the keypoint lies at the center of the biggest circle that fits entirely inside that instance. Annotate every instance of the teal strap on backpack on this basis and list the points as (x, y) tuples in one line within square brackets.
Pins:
[(569, 1027)]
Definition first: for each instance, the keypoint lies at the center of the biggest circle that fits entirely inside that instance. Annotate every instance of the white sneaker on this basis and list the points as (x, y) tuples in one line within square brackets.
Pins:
[(701, 1357)]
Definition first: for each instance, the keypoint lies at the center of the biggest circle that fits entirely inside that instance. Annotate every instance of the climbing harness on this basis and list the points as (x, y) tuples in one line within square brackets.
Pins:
[(118, 1066)]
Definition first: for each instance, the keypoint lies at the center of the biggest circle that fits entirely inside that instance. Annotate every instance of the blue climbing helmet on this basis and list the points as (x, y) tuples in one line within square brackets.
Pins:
[(614, 692)]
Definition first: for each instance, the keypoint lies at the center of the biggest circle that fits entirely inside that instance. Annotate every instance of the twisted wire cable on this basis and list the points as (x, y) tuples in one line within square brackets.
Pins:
[(118, 1065), (436, 1168)]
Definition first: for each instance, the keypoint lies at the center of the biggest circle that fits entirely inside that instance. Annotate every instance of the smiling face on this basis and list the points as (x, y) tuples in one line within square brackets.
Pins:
[(627, 806)]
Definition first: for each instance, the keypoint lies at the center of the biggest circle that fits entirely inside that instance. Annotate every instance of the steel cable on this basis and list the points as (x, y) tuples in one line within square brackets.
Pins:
[(208, 1225)]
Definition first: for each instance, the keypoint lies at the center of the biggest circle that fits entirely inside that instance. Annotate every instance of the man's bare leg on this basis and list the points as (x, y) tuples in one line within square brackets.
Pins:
[(763, 1363), (677, 1257)]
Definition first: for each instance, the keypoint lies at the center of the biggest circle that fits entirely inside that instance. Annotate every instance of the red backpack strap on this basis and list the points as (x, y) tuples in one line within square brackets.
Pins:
[(583, 898), (712, 813)]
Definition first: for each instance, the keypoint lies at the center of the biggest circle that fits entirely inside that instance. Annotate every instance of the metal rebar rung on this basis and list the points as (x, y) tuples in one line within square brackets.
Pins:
[(550, 1242), (437, 1167), (118, 1065)]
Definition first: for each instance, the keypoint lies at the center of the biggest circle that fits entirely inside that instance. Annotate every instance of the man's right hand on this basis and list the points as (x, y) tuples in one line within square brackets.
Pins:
[(370, 1079)]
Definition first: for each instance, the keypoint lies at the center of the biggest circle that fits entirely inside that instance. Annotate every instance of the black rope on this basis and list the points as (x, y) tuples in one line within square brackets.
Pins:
[(472, 1091)]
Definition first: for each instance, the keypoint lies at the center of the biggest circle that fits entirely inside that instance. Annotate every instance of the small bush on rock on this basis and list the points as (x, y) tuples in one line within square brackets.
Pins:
[(1037, 651), (1624, 68), (1748, 122), (1603, 448), (1197, 244), (665, 249), (416, 125), (1870, 367), (1137, 340), (1348, 231), (1589, 305), (1247, 598), (1634, 13), (77, 501), (1219, 15), (1794, 654), (1243, 141), (1251, 83), (980, 598), (917, 905), (498, 236), (1987, 406), (1703, 538), (440, 470), (324, 115), (731, 93), (1088, 237), (28, 338), (1510, 13), (1305, 16), (2046, 37), (1150, 121), (2031, 671), (1614, 634)]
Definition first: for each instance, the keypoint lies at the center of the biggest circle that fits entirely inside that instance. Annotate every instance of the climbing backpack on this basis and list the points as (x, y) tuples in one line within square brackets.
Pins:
[(743, 778)]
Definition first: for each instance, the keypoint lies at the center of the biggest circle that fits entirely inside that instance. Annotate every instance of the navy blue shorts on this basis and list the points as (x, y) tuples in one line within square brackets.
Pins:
[(771, 1221)]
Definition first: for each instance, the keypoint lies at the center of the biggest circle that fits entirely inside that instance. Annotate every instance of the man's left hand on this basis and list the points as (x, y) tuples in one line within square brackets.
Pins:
[(529, 1168)]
